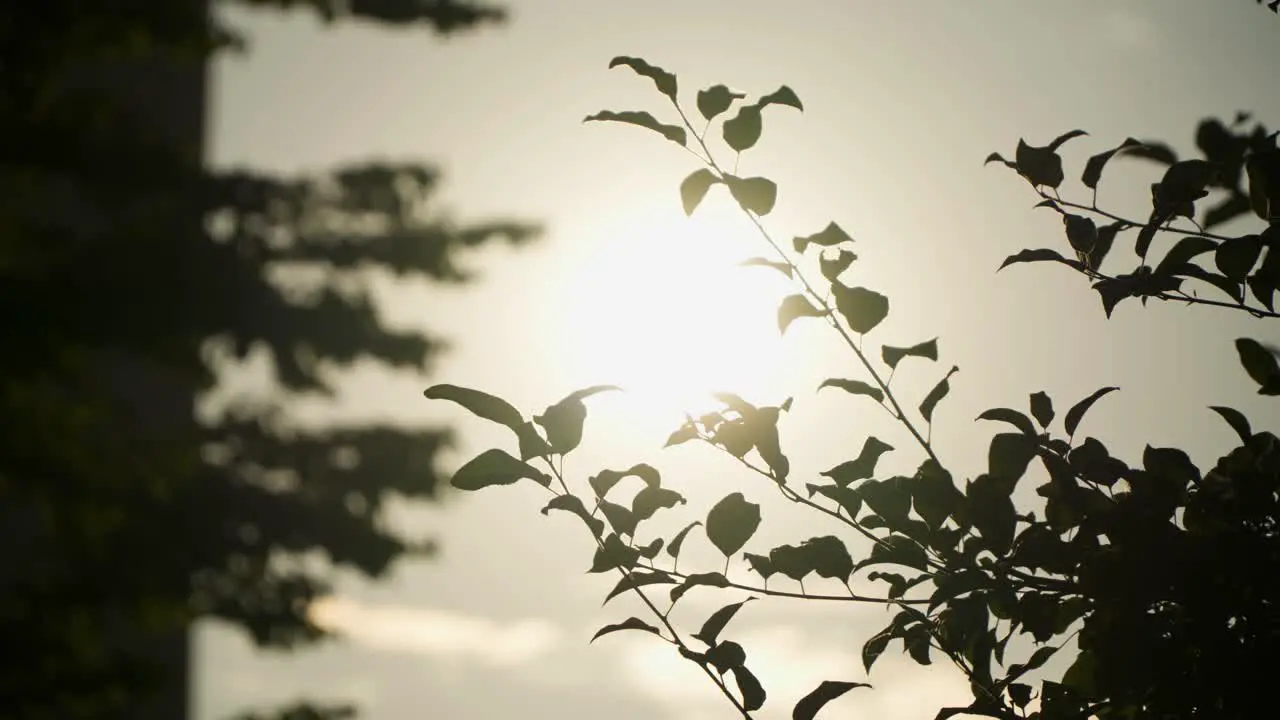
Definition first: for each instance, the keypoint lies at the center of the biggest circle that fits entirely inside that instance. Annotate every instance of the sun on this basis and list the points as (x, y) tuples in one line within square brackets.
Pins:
[(660, 305)]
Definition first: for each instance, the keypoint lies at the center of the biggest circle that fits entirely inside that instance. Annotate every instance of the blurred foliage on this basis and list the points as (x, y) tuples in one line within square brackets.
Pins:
[(1154, 583), (123, 265)]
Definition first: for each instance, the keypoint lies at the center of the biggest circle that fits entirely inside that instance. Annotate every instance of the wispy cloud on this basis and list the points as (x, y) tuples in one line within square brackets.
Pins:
[(428, 631)]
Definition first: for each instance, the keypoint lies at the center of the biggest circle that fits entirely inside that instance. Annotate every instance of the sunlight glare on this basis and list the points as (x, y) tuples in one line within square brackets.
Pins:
[(660, 305)]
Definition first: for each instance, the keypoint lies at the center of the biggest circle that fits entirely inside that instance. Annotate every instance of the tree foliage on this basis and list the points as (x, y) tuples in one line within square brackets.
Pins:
[(1157, 577), (122, 263)]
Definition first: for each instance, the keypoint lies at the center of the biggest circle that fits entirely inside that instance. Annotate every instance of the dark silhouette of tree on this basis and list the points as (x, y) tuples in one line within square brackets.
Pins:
[(122, 263), (1064, 582)]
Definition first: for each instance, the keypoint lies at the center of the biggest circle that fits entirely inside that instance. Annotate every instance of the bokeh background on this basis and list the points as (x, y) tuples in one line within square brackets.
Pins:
[(902, 103)]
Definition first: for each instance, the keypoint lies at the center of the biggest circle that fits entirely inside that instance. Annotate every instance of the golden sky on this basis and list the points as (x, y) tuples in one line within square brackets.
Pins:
[(902, 103)]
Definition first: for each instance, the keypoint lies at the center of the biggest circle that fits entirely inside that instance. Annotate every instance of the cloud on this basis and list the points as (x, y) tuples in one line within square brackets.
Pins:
[(428, 631)]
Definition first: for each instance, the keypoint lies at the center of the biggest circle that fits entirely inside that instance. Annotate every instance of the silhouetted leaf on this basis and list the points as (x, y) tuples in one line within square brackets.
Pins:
[(694, 188), (641, 118), (604, 481), (890, 499), (997, 157), (756, 194), (1236, 420), (1042, 409), (715, 100), (673, 548), (651, 499), (893, 355), (1009, 455), (620, 518), (698, 579), (563, 421), (1038, 255), (991, 511), (873, 648), (494, 409), (613, 553), (665, 81), (1020, 693), (753, 695), (934, 494), (684, 434), (726, 656), (760, 564), (496, 467), (1170, 464), (1082, 232), (782, 96), (1261, 364), (1093, 168), (710, 631), (831, 268), (571, 503), (1263, 171), (1013, 417), (1183, 252), (742, 131), (795, 306), (1040, 166), (781, 267), (732, 522), (1077, 411), (857, 387), (864, 466), (846, 497), (1237, 256), (828, 557), (830, 236), (897, 550), (638, 579), (791, 560), (1106, 239), (632, 623), (1058, 141), (863, 309), (935, 395), (829, 690)]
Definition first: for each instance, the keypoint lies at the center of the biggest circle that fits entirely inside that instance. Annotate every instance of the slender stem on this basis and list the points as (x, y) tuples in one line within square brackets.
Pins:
[(852, 597)]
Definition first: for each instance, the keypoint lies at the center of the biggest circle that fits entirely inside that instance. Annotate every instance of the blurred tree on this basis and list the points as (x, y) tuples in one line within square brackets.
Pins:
[(125, 268)]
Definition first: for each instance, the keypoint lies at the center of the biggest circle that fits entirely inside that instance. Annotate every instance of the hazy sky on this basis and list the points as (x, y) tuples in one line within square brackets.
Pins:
[(902, 103)]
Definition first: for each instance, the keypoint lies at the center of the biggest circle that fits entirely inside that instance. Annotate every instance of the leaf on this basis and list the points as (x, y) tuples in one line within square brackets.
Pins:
[(760, 564), (1236, 420), (1013, 417), (1038, 255), (935, 395), (756, 194), (890, 499), (684, 434), (1106, 239), (715, 100), (1058, 141), (726, 656), (873, 648), (605, 480), (1082, 232), (848, 498), (1040, 166), (613, 554), (1077, 411), (753, 695), (856, 387), (828, 557), (864, 466), (897, 550), (795, 306), (1041, 409), (717, 621), (673, 548), (651, 499), (1261, 365), (571, 503), (833, 267), (830, 236), (782, 96), (781, 267), (563, 421), (641, 118), (1237, 256), (1093, 168), (632, 623), (829, 690), (637, 579), (863, 309), (665, 81), (997, 157), (694, 188), (495, 467), (691, 581), (934, 494), (1009, 455), (494, 409), (622, 520), (742, 131), (732, 522), (893, 355), (791, 560), (1183, 252)]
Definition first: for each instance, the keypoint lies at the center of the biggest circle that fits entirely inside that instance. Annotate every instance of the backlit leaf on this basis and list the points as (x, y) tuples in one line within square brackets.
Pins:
[(829, 690), (495, 467), (632, 623), (732, 522), (795, 306), (935, 395), (857, 387), (638, 579), (863, 309), (742, 131), (756, 194), (1076, 413), (1041, 409), (1236, 420), (665, 81), (694, 188), (710, 631), (641, 118), (830, 236), (715, 100), (781, 267), (673, 548), (893, 355)]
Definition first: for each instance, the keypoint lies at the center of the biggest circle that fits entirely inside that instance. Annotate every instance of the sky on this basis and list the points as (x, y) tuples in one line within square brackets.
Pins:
[(902, 103)]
